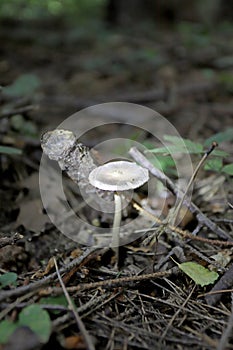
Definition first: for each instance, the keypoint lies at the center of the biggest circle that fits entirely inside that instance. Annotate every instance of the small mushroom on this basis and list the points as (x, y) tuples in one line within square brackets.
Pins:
[(118, 176)]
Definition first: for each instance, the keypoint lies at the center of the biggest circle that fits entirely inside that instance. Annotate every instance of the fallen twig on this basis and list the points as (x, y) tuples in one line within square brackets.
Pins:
[(225, 282), (20, 110), (166, 181), (34, 286), (111, 283), (13, 305), (10, 240), (72, 307), (185, 234), (203, 159), (92, 305), (175, 316), (228, 331)]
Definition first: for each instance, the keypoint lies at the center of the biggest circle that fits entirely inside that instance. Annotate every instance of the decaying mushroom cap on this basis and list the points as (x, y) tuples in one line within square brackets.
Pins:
[(118, 176), (57, 143)]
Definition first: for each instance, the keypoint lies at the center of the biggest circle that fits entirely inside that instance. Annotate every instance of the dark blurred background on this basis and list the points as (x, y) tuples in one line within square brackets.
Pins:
[(174, 56)]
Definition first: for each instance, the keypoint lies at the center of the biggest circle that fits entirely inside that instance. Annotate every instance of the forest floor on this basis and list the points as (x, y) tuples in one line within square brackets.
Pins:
[(48, 72)]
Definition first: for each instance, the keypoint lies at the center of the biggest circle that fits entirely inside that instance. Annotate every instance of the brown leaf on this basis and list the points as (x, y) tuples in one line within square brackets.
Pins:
[(76, 253), (31, 215), (139, 249), (74, 342), (48, 268)]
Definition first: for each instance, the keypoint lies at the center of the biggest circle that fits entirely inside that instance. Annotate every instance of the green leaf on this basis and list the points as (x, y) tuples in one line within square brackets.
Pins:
[(37, 320), (228, 169), (25, 127), (168, 150), (214, 164), (224, 78), (174, 139), (172, 149), (10, 150), (25, 85), (17, 121), (220, 137), (219, 153), (179, 145), (58, 300), (198, 273), (8, 279), (6, 329), (192, 147), (165, 164)]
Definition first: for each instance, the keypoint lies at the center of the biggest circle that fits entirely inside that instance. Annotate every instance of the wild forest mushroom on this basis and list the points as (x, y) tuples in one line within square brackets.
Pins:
[(118, 176)]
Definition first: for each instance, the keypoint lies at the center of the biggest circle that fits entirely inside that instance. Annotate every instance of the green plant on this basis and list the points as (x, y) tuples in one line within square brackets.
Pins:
[(7, 279), (215, 163), (198, 273), (34, 9), (25, 85), (10, 150), (32, 316), (22, 126)]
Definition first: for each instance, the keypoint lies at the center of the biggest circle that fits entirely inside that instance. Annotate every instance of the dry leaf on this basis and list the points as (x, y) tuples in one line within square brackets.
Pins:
[(74, 342), (139, 249), (48, 268), (223, 258), (76, 253), (31, 215)]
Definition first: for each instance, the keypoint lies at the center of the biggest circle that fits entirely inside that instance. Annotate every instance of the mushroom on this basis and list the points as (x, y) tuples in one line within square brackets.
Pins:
[(118, 176)]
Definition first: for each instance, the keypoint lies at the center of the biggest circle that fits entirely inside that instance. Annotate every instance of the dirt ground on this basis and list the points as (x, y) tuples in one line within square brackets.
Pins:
[(149, 303)]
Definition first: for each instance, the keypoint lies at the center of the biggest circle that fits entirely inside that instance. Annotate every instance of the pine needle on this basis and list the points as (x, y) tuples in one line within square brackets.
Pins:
[(81, 326)]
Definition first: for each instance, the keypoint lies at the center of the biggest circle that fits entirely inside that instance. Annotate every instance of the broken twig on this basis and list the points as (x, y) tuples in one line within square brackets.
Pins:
[(166, 181), (33, 287), (72, 307), (10, 240)]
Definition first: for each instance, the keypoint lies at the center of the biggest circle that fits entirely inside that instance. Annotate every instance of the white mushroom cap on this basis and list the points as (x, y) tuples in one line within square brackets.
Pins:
[(118, 176)]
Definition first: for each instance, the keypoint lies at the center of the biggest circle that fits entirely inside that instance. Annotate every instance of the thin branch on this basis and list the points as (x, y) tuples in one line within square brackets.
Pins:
[(166, 181), (10, 307), (203, 159), (228, 331), (225, 282), (185, 234), (86, 309), (10, 240), (20, 110), (72, 307), (175, 316), (111, 283), (34, 286), (215, 292)]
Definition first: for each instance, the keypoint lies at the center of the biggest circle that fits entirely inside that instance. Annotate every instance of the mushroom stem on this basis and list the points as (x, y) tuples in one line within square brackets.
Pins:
[(116, 226)]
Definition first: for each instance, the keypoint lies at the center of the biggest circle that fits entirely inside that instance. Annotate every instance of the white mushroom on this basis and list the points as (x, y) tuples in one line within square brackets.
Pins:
[(118, 176)]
